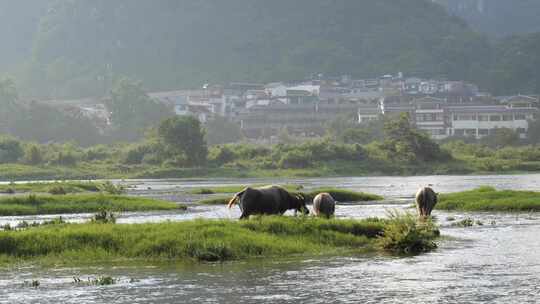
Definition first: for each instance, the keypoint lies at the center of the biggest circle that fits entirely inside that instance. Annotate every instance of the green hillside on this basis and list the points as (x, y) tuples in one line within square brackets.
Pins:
[(81, 44)]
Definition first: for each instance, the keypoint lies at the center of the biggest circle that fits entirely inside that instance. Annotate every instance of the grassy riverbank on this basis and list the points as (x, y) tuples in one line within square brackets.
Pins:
[(81, 203), (90, 170), (215, 240), (51, 187), (339, 195), (490, 199)]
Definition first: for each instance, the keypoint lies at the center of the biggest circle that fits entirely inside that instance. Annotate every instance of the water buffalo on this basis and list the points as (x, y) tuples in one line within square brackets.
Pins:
[(268, 200), (324, 204), (426, 199)]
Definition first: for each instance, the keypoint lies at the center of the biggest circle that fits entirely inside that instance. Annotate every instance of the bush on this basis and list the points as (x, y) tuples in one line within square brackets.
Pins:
[(221, 155), (404, 234), (104, 217), (10, 150), (136, 153), (65, 159), (57, 190), (33, 155), (111, 188), (98, 153), (295, 159)]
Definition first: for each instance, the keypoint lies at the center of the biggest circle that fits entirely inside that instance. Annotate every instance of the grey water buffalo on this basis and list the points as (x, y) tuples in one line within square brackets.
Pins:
[(426, 199), (324, 204), (267, 200)]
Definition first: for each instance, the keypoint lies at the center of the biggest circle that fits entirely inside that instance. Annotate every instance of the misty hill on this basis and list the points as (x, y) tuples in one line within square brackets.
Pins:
[(80, 45), (498, 17), (19, 22)]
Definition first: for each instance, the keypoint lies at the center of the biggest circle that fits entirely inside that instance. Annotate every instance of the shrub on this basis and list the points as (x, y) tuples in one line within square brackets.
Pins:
[(33, 155), (136, 153), (104, 217), (295, 159), (10, 150), (111, 188), (57, 190), (404, 234)]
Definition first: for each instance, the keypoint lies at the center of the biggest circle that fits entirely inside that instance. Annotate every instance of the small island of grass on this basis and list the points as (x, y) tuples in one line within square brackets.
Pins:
[(237, 188), (339, 195), (81, 203), (490, 199), (216, 240), (61, 187)]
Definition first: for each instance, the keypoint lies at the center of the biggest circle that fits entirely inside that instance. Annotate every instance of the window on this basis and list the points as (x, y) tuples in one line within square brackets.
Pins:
[(483, 117), (495, 118), (507, 117), (459, 132), (520, 117), (470, 132), (465, 117), (483, 132), (521, 130)]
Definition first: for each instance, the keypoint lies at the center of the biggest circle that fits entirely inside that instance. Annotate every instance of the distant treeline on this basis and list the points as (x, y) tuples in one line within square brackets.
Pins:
[(76, 48), (177, 148)]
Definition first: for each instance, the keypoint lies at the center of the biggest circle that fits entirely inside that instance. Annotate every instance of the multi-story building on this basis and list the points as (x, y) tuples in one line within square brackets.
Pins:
[(441, 119)]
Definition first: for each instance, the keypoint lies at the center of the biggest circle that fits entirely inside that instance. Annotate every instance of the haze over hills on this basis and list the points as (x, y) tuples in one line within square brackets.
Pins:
[(498, 17), (75, 48)]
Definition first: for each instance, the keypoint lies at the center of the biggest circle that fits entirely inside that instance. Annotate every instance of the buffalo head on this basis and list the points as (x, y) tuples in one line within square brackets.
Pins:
[(299, 204)]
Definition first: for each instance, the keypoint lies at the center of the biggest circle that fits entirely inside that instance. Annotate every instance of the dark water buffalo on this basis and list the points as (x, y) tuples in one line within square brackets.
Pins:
[(324, 204), (426, 199), (268, 200)]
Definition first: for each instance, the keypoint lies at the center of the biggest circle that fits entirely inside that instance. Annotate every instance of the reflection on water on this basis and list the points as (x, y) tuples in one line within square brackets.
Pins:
[(494, 263)]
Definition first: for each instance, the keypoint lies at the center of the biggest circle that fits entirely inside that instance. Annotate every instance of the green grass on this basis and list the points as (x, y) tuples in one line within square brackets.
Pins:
[(342, 195), (45, 187), (81, 203), (339, 195), (489, 199), (202, 240), (235, 189), (220, 200)]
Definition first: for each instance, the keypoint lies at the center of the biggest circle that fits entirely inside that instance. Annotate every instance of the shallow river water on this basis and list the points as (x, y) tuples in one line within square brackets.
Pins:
[(498, 262)]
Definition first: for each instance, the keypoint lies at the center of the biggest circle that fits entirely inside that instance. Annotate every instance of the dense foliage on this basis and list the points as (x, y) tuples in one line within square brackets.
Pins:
[(75, 48), (497, 17), (80, 46)]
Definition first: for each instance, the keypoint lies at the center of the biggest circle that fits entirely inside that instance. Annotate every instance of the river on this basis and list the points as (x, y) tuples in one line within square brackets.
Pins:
[(498, 262)]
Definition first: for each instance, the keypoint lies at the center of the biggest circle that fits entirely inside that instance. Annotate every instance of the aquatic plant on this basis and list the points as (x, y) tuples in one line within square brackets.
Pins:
[(104, 216), (110, 188), (467, 222), (405, 234), (57, 190)]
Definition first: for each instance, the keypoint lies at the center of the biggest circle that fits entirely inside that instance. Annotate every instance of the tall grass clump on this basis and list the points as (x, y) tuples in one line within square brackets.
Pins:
[(405, 234)]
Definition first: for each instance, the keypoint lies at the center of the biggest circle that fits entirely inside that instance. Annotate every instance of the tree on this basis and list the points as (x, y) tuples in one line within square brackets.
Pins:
[(9, 109), (183, 136), (10, 150), (221, 131), (407, 144), (33, 155), (132, 110)]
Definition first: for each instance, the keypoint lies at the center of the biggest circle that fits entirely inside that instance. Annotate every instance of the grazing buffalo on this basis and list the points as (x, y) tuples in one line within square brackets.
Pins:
[(268, 200), (324, 204), (426, 199)]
